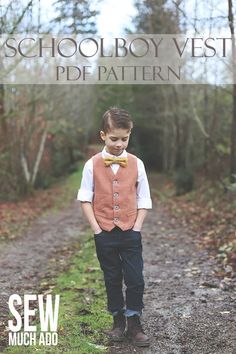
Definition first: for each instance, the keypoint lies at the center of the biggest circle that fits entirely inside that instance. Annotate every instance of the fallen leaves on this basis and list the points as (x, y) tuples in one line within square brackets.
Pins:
[(16, 216), (211, 219), (192, 271), (206, 284)]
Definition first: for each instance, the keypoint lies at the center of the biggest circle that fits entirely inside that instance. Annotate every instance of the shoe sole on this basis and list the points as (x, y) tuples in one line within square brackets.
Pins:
[(116, 339), (138, 344)]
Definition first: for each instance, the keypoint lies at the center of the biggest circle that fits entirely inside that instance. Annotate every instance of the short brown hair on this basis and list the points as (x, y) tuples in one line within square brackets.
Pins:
[(116, 118)]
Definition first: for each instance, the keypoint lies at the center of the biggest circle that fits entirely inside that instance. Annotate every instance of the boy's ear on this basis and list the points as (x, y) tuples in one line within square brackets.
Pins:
[(102, 135)]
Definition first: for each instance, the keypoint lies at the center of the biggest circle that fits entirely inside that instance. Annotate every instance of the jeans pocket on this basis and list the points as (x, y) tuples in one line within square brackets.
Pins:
[(137, 232), (99, 234)]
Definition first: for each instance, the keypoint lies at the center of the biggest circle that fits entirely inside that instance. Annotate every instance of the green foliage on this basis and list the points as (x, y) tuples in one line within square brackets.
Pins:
[(233, 182), (229, 184), (184, 181), (155, 17), (223, 149), (77, 16)]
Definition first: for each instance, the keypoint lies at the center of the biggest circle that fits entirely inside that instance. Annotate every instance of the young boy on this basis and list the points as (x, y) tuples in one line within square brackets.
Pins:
[(115, 196)]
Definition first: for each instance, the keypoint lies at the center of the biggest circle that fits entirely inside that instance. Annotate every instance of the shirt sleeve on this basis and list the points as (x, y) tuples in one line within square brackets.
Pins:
[(143, 191), (85, 193)]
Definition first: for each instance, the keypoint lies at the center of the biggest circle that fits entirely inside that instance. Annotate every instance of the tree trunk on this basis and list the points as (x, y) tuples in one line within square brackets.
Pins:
[(179, 153), (233, 125), (205, 116), (30, 177), (233, 141), (3, 123)]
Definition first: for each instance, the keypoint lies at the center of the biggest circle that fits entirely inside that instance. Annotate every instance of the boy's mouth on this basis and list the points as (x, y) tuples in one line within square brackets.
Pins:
[(118, 151)]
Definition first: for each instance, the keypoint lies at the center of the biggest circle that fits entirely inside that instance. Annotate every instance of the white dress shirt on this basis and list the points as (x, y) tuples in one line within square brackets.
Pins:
[(86, 191)]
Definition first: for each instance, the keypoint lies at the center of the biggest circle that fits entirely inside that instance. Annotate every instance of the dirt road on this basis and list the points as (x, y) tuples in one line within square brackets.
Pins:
[(40, 252), (188, 310)]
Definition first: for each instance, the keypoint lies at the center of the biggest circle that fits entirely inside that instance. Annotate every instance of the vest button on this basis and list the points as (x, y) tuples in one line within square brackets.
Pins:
[(116, 219), (116, 207), (115, 182), (115, 195)]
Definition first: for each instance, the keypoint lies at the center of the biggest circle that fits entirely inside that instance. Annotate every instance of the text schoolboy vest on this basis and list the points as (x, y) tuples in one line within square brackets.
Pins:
[(114, 202)]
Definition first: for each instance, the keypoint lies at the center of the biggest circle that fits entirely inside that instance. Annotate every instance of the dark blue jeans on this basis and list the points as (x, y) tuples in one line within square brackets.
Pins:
[(120, 256)]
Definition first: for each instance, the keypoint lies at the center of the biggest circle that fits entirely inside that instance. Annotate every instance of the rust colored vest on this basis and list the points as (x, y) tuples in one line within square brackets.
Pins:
[(114, 202)]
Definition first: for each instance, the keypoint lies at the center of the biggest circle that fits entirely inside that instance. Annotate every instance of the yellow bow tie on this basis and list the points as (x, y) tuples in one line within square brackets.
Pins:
[(122, 161)]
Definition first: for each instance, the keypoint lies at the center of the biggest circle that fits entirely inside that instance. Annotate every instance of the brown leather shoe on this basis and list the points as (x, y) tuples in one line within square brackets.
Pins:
[(117, 332), (136, 333)]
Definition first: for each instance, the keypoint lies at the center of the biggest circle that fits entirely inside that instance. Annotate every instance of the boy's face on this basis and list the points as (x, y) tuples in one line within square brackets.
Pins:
[(116, 140)]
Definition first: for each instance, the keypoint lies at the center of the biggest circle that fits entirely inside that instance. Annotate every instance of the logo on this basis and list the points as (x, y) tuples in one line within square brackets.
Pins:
[(21, 332)]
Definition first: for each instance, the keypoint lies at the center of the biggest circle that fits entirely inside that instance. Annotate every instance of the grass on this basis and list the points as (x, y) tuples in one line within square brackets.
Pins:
[(65, 191), (82, 311)]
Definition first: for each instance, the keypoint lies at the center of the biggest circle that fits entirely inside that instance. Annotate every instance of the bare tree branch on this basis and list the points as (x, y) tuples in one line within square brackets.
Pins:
[(20, 18)]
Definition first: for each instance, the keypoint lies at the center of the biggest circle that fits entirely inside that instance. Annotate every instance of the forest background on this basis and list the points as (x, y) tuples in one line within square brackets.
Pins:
[(186, 132)]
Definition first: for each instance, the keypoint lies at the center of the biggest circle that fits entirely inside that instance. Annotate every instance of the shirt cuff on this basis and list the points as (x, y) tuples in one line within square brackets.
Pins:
[(144, 203), (85, 195)]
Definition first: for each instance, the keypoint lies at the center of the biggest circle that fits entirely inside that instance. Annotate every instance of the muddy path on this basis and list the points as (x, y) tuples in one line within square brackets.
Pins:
[(40, 253), (188, 310)]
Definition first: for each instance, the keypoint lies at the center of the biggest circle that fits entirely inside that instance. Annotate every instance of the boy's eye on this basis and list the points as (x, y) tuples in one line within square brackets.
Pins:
[(115, 139)]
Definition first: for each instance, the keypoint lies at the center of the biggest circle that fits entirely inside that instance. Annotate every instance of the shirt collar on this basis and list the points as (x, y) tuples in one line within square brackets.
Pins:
[(105, 153)]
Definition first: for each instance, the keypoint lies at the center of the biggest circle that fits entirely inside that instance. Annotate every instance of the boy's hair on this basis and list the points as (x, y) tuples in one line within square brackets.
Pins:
[(116, 118)]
